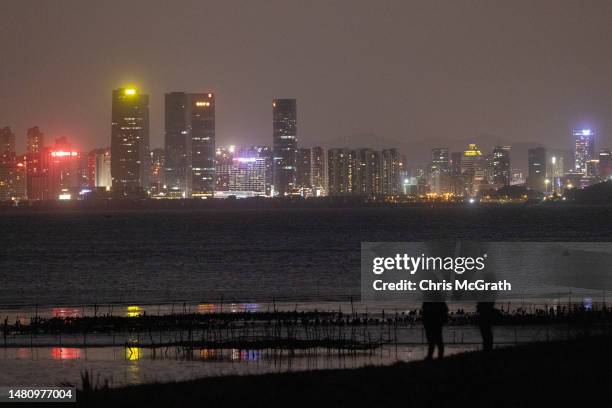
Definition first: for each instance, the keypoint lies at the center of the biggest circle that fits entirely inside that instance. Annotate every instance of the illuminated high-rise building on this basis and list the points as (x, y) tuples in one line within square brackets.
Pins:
[(35, 140), (303, 177), (7, 147), (500, 165), (340, 167), (64, 161), (37, 165), (439, 169), (455, 163), (201, 121), (555, 172), (130, 168), (190, 144), (367, 172), (440, 160), (157, 171), (318, 171), (224, 160), (584, 149), (99, 169), (392, 165), (177, 143), (473, 169), (284, 128), (536, 179), (605, 164), (248, 176), (266, 153)]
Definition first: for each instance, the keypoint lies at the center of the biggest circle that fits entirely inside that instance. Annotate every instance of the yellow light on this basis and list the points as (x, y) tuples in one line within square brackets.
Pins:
[(132, 353), (134, 311), (130, 91)]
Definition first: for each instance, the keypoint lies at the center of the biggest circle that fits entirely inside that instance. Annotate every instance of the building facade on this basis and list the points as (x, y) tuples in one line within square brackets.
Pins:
[(584, 148), (284, 138), (130, 167)]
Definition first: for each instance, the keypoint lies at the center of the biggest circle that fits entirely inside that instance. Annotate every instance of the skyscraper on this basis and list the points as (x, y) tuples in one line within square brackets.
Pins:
[(37, 165), (439, 170), (537, 169), (303, 178), (500, 164), (7, 146), (473, 169), (7, 163), (99, 169), (605, 163), (35, 140), (201, 120), (130, 168), (248, 176), (224, 160), (64, 180), (157, 179), (392, 165), (177, 144), (190, 144), (318, 171), (284, 125), (367, 172), (584, 149), (340, 166)]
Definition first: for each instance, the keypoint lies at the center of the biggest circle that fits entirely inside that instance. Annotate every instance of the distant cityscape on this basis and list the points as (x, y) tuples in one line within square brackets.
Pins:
[(192, 165)]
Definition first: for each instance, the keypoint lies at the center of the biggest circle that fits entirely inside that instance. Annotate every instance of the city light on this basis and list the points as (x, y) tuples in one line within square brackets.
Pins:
[(130, 91), (64, 154)]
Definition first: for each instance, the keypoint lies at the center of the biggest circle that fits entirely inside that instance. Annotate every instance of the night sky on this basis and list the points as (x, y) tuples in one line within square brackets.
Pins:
[(366, 73)]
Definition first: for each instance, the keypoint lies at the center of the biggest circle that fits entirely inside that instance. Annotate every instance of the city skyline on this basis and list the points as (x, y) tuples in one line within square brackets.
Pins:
[(397, 82)]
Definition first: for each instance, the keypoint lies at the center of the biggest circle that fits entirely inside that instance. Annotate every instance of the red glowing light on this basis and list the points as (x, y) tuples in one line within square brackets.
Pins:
[(65, 312), (62, 153), (65, 353)]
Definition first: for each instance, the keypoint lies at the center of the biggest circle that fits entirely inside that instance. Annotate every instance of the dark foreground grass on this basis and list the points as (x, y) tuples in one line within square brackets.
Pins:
[(577, 372)]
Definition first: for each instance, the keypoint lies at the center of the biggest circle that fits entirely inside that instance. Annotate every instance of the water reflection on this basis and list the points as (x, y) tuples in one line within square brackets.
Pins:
[(134, 311), (133, 353), (233, 307), (65, 312), (246, 355), (206, 308), (65, 353)]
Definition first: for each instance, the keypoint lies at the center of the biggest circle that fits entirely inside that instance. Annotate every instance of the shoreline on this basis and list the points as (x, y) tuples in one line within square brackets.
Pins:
[(579, 365)]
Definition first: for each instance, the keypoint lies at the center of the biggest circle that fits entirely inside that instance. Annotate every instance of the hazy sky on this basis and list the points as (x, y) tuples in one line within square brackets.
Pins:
[(365, 73)]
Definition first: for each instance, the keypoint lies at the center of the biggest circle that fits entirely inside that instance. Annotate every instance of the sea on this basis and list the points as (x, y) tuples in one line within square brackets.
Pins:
[(74, 262)]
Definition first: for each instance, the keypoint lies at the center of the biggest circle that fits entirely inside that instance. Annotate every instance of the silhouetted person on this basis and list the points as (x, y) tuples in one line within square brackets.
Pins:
[(435, 315), (486, 316)]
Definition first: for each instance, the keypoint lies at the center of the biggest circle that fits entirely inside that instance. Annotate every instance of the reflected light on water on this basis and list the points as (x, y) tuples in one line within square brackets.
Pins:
[(246, 355), (65, 312), (233, 307), (65, 353), (133, 353), (209, 354), (134, 311), (206, 308)]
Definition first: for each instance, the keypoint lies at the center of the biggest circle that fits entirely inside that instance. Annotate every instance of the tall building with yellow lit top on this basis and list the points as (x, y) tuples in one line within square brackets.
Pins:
[(473, 169), (130, 166), (190, 144)]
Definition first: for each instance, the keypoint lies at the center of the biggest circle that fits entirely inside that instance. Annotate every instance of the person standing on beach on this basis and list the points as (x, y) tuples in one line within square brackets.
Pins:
[(486, 315), (435, 315)]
